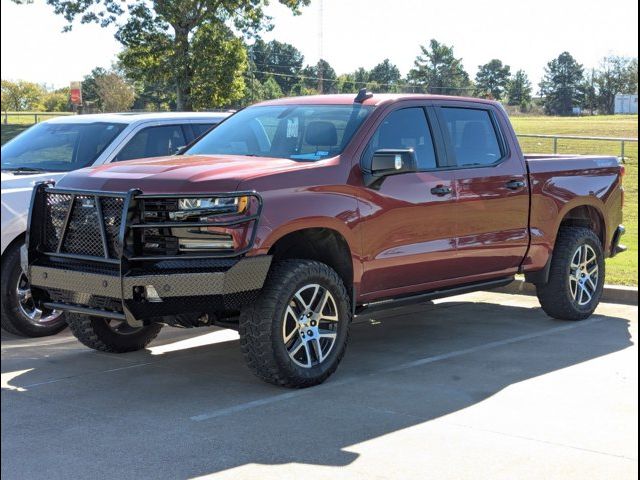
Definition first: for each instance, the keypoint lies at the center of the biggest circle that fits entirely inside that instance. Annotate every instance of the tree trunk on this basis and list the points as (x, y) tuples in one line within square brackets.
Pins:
[(182, 65)]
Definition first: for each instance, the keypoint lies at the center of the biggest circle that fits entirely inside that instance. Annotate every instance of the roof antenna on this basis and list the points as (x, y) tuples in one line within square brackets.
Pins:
[(363, 94)]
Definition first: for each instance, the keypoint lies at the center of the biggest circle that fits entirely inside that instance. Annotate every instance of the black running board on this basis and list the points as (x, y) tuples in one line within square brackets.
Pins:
[(94, 312), (368, 308)]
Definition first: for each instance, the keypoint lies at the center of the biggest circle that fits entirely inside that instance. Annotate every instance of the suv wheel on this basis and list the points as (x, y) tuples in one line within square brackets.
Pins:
[(296, 333), (576, 278), (20, 315), (111, 335)]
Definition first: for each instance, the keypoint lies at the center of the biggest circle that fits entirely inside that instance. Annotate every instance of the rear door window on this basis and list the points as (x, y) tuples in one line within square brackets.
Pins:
[(473, 136), (158, 141)]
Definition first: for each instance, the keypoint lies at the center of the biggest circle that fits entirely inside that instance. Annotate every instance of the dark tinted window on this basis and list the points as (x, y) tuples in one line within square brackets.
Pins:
[(153, 142), (59, 147), (406, 128), (200, 128), (298, 132), (473, 136)]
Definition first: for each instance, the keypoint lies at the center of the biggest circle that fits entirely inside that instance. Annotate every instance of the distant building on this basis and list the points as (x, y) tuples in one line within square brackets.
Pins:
[(626, 104)]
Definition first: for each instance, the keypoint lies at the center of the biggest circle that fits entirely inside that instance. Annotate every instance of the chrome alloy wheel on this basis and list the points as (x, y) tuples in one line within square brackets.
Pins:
[(28, 309), (583, 274), (310, 325)]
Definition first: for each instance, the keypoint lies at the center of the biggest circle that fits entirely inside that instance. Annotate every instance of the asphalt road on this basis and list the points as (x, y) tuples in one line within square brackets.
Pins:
[(478, 386)]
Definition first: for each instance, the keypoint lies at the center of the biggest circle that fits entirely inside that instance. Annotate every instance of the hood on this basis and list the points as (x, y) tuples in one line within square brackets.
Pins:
[(184, 173), (12, 181)]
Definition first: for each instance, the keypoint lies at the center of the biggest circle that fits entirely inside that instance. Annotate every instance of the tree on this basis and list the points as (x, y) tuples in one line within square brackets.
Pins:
[(437, 70), (217, 79), (589, 92), (89, 87), (171, 27), (562, 84), (614, 76), (281, 61), (492, 79), (321, 76), (386, 75), (115, 94), (272, 89), (632, 76), (519, 90), (361, 77), (21, 95), (57, 101), (345, 83)]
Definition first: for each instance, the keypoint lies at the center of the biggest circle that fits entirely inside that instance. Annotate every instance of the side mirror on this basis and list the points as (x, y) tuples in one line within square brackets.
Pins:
[(180, 150), (388, 162)]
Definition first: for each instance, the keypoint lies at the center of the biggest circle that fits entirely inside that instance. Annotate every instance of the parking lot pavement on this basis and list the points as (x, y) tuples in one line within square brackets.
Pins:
[(477, 386)]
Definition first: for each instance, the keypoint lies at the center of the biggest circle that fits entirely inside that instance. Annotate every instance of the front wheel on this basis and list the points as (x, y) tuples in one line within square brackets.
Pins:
[(20, 315), (576, 278), (111, 335), (296, 333)]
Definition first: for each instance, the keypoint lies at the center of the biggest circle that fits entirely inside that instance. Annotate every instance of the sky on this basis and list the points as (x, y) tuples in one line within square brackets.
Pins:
[(355, 33)]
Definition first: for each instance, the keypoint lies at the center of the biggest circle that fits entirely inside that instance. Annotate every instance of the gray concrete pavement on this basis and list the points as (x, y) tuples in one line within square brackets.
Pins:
[(478, 386)]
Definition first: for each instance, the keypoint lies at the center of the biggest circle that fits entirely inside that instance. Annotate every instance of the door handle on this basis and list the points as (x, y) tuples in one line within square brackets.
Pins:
[(515, 184), (441, 190)]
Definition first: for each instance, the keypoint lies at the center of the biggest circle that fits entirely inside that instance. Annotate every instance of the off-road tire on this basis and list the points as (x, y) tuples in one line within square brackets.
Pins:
[(261, 324), (555, 296), (11, 318), (94, 332)]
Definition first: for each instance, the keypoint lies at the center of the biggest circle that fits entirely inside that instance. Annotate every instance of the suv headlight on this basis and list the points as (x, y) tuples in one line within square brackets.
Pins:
[(202, 207)]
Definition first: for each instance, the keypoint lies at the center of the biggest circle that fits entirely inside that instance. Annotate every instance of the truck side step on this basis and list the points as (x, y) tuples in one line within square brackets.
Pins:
[(382, 305)]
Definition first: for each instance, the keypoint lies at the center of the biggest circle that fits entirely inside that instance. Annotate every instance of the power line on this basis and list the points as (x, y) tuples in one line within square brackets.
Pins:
[(400, 85)]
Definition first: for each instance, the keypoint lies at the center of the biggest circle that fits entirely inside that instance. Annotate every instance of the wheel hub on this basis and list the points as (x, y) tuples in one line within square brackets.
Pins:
[(310, 325), (584, 274), (28, 308)]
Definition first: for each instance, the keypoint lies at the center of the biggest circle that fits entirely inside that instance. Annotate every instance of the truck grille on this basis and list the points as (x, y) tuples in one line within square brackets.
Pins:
[(82, 235)]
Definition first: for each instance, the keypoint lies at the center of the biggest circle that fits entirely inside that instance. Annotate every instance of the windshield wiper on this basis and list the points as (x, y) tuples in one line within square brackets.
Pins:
[(25, 170)]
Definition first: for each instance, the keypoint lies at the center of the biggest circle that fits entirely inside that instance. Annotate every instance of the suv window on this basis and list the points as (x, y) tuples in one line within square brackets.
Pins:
[(59, 147), (473, 136), (153, 142), (406, 128)]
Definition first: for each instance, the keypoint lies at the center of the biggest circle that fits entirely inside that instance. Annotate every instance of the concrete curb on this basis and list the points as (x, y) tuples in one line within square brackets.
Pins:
[(611, 293)]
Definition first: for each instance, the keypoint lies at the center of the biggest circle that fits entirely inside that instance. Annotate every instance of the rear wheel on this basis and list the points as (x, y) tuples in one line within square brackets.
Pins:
[(296, 333), (20, 315), (576, 278), (111, 335)]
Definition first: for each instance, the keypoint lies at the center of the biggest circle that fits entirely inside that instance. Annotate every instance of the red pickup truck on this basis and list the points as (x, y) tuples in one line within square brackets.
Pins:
[(295, 215)]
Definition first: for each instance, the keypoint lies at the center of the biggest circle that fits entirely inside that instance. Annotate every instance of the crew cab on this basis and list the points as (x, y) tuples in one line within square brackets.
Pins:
[(48, 150), (295, 215)]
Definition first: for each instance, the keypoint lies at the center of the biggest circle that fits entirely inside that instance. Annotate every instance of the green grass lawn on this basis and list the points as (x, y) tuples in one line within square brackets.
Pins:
[(18, 123), (622, 270)]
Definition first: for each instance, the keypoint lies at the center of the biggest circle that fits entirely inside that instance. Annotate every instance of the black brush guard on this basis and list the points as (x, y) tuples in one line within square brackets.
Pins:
[(74, 265)]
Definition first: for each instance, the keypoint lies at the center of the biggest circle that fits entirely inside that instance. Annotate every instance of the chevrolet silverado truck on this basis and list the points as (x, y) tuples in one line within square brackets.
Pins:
[(293, 216)]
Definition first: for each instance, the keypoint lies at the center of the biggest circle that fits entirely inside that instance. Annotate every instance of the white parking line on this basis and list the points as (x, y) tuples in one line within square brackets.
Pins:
[(416, 363)]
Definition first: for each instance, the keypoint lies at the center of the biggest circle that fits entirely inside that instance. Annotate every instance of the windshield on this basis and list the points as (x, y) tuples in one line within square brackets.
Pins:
[(58, 147), (298, 132)]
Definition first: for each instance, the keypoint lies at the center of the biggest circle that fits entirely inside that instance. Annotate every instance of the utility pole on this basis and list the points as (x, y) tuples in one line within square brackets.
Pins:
[(320, 45)]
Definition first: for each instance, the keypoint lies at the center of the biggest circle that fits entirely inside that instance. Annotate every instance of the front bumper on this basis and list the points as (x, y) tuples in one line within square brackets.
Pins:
[(139, 296), (124, 283)]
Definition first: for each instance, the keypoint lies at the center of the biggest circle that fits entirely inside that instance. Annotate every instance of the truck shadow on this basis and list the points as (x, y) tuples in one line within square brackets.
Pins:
[(182, 413)]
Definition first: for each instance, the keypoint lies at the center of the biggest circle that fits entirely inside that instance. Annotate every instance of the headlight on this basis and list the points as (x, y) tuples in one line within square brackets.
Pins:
[(201, 207)]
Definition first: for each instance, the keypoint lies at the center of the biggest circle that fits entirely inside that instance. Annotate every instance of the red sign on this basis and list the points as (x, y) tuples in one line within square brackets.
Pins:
[(75, 93)]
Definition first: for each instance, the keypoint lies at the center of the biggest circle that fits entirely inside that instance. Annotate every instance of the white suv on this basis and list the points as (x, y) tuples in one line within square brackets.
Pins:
[(52, 148)]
